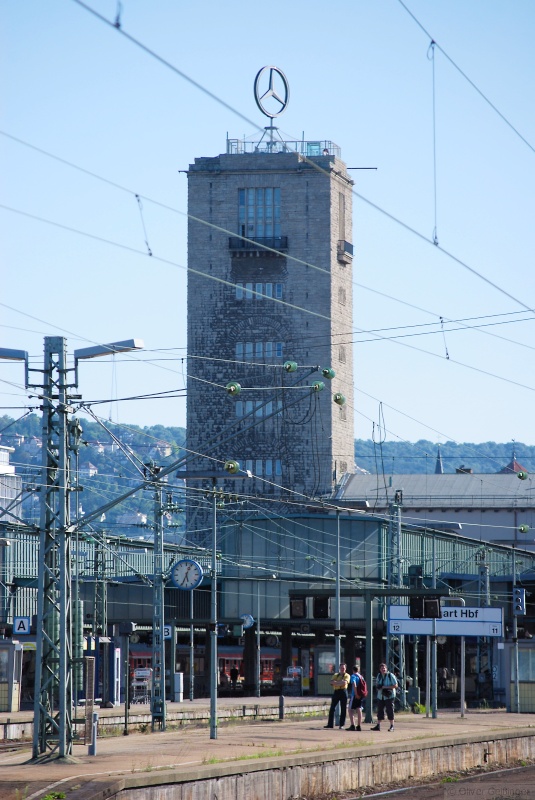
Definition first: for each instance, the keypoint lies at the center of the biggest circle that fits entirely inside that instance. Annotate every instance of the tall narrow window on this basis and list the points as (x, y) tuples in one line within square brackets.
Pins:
[(259, 292), (342, 215), (248, 291), (259, 351), (269, 468), (259, 212), (248, 351), (239, 351), (239, 291)]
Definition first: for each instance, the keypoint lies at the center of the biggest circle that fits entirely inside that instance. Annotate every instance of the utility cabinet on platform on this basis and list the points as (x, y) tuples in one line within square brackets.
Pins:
[(10, 675)]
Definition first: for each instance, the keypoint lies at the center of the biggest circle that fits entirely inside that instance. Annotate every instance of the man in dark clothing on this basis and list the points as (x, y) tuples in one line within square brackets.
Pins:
[(386, 683), (234, 677), (339, 682)]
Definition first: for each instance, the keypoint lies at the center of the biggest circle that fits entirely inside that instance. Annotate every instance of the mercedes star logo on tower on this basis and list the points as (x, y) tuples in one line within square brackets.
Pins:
[(271, 91)]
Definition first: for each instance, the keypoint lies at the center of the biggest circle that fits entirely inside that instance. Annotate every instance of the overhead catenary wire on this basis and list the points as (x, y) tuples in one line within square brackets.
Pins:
[(315, 166), (230, 283), (465, 76), (129, 191)]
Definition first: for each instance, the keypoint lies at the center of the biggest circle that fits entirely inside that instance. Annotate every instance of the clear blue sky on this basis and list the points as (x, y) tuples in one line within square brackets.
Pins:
[(360, 75)]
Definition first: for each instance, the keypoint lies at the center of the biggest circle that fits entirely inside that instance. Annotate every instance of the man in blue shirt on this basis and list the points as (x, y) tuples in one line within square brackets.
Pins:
[(355, 700)]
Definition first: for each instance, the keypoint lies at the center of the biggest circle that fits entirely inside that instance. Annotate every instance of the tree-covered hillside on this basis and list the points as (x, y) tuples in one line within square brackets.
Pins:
[(105, 470), (421, 457)]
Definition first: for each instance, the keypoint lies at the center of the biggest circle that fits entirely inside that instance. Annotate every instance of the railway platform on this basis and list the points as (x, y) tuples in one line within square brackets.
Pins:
[(187, 754)]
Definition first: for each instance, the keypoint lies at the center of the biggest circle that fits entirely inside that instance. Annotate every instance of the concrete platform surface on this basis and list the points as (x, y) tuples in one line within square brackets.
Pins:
[(190, 748)]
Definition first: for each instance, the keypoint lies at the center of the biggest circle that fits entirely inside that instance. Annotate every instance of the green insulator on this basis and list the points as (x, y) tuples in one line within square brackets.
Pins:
[(522, 475), (339, 399), (233, 388), (328, 373), (318, 386), (220, 505), (523, 528), (231, 467), (290, 366)]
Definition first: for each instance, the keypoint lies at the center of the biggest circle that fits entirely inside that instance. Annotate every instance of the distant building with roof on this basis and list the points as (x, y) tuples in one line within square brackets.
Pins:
[(10, 487), (495, 507)]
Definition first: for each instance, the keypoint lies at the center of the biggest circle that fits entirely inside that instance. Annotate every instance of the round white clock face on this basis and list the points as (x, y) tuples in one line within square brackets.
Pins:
[(187, 574)]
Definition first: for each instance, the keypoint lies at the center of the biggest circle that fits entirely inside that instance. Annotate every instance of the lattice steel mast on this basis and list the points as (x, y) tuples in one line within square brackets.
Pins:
[(53, 732), (395, 645)]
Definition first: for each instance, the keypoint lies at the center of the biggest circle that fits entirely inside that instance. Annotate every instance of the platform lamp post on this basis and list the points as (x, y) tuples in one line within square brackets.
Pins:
[(337, 624), (4, 592), (231, 470), (53, 729)]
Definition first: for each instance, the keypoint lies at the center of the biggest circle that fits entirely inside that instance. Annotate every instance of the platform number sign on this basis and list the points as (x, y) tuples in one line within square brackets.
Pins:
[(21, 626)]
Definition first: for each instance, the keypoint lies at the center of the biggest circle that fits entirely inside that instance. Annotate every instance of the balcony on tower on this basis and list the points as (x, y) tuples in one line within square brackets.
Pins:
[(272, 246), (344, 252)]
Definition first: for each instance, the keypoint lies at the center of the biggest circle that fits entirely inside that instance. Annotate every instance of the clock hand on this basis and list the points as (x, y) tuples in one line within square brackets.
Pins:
[(186, 575)]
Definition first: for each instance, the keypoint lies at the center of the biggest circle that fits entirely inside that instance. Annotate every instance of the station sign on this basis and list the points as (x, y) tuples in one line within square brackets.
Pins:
[(455, 621), (21, 626)]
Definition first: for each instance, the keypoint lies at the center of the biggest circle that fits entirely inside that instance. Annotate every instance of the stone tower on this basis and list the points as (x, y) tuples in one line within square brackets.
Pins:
[(270, 281)]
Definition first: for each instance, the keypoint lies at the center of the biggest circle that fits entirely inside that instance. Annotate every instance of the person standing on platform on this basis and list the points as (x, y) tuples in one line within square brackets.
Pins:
[(339, 682), (234, 676), (386, 684), (357, 691)]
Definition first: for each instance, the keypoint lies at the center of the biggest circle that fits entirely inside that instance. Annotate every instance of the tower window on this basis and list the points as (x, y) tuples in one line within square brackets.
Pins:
[(258, 291), (260, 351), (342, 354), (259, 212), (342, 215), (342, 296)]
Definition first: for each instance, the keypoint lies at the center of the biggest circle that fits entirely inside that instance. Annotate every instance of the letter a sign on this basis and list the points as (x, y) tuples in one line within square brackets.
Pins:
[(21, 626)]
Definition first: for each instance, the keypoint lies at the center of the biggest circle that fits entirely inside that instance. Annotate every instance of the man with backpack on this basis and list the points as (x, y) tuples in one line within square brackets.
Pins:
[(358, 691), (386, 684)]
